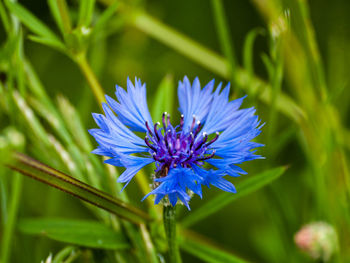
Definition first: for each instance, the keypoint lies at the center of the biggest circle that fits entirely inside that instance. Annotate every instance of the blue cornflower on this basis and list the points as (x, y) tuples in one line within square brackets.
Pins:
[(211, 130)]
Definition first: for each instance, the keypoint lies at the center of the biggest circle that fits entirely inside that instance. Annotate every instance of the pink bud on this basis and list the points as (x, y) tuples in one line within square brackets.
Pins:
[(318, 240)]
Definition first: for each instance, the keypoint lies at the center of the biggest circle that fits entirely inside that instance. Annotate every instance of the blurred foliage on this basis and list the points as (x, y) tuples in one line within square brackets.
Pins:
[(58, 58)]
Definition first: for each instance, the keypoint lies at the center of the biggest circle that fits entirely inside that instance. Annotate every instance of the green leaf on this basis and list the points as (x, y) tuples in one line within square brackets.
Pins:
[(33, 23), (86, 10), (198, 246), (164, 98), (77, 232), (70, 185), (105, 17), (4, 18), (248, 186), (55, 11), (48, 42)]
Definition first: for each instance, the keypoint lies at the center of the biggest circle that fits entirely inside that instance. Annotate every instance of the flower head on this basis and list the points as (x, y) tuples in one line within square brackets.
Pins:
[(212, 131)]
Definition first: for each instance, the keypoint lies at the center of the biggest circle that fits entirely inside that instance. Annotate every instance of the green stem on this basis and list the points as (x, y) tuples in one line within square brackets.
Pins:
[(63, 10), (224, 36), (212, 61), (90, 77), (12, 217), (169, 221)]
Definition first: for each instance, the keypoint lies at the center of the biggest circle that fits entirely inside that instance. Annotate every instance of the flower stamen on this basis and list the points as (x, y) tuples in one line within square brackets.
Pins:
[(193, 122), (213, 140), (149, 144), (163, 120), (149, 129), (207, 157), (181, 121), (156, 130), (204, 139)]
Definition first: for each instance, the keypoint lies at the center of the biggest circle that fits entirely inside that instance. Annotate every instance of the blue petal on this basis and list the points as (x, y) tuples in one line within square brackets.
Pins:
[(215, 178), (113, 136), (158, 198), (223, 184), (172, 199), (102, 151), (194, 101), (132, 107), (133, 164), (114, 161), (222, 113), (175, 185), (234, 143), (120, 127)]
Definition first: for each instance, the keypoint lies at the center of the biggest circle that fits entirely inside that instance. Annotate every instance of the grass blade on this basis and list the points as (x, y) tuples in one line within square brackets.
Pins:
[(55, 11), (213, 62), (86, 10), (164, 98), (77, 232), (74, 123), (224, 36), (32, 121), (68, 184), (65, 18), (198, 246), (248, 186), (105, 17), (48, 42), (33, 23), (180, 43), (66, 253), (4, 18), (8, 234)]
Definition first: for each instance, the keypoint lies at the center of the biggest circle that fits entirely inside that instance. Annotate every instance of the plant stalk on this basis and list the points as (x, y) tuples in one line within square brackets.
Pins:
[(10, 224), (169, 220), (90, 77)]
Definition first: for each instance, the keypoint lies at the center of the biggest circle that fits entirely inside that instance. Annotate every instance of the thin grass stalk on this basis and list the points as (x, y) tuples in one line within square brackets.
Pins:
[(276, 84), (151, 251), (225, 37), (64, 253), (3, 198), (322, 134), (9, 228), (212, 61), (90, 77), (311, 43), (63, 10), (5, 19)]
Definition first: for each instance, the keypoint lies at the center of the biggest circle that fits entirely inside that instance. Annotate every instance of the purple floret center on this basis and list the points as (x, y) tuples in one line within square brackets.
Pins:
[(172, 147)]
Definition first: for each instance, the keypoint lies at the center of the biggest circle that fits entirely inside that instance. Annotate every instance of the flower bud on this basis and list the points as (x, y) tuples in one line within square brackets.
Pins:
[(318, 239)]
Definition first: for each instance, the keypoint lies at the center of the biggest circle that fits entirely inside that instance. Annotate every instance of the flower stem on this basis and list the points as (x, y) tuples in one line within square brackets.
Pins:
[(169, 220), (90, 77)]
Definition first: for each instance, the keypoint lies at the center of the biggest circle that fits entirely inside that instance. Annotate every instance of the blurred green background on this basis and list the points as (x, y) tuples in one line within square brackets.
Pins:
[(291, 58)]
